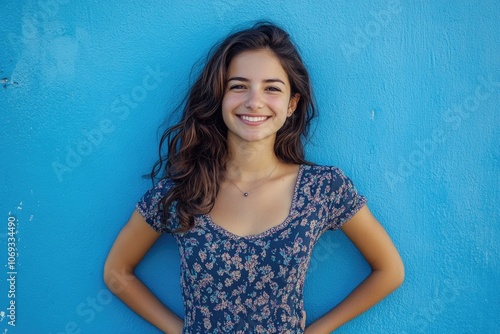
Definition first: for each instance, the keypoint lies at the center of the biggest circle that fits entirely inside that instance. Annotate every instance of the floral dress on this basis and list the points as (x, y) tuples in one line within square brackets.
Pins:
[(254, 284)]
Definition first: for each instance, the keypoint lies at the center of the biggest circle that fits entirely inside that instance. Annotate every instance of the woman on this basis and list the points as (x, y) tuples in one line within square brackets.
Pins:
[(243, 204)]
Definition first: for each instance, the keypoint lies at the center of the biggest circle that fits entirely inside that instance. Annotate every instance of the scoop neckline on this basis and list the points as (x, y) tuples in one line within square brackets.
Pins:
[(269, 231)]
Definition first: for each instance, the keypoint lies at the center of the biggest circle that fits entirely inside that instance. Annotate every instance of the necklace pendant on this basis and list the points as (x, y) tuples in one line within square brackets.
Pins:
[(245, 194)]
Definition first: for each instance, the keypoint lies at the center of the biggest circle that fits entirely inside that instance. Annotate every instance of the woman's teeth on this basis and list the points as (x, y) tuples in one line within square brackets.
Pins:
[(253, 119)]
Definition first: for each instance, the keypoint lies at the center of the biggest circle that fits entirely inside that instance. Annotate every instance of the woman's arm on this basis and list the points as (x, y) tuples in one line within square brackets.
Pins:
[(132, 243), (387, 272)]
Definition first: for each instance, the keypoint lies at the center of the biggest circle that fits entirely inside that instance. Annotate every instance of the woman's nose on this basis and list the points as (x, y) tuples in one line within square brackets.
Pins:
[(254, 100)]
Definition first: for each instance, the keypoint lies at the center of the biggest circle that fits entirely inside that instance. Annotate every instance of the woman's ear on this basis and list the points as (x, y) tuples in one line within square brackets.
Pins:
[(292, 105)]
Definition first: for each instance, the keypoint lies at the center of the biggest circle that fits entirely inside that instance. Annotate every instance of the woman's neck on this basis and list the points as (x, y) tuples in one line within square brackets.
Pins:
[(250, 161)]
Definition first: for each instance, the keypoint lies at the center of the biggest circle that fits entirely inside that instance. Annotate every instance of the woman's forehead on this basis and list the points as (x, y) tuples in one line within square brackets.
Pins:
[(257, 65)]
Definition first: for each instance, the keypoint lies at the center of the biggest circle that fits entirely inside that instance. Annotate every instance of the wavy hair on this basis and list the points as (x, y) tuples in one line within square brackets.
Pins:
[(197, 146)]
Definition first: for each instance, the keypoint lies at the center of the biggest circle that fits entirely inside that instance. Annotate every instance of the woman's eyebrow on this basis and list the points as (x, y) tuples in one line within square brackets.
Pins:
[(246, 80)]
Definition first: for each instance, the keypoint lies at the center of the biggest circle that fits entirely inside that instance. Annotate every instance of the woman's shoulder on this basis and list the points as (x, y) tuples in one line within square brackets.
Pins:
[(322, 175), (164, 183), (325, 170), (148, 206), (156, 192)]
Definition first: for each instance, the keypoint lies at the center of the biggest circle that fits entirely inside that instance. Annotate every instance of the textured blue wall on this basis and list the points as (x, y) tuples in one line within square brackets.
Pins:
[(408, 94)]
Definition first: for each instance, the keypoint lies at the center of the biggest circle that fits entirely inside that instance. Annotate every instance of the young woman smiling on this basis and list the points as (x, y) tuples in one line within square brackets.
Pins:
[(243, 204)]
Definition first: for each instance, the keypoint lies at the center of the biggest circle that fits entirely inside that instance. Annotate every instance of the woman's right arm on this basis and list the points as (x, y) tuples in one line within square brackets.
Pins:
[(129, 248)]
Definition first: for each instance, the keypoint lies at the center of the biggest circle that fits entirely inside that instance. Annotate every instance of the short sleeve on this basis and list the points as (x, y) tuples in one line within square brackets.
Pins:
[(344, 200), (148, 206)]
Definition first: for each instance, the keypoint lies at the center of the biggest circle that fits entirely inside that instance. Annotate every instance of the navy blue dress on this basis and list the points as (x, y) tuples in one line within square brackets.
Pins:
[(254, 284)]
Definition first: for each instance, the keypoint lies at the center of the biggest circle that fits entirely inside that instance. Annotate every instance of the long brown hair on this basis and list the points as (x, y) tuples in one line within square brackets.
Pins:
[(197, 147)]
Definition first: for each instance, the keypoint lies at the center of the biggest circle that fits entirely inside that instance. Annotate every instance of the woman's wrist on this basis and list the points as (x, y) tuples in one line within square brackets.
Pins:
[(317, 328), (174, 325)]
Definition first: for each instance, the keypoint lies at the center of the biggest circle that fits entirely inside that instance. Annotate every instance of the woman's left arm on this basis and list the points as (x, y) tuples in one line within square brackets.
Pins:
[(387, 272)]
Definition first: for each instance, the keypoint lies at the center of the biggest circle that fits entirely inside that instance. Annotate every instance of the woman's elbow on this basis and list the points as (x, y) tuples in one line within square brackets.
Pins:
[(398, 274), (116, 278), (107, 274), (393, 274)]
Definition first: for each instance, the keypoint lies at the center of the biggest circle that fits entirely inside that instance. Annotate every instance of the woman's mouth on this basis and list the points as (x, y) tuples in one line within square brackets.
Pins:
[(253, 119)]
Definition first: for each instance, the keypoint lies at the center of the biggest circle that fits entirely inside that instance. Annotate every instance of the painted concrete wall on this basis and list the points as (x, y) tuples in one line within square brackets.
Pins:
[(408, 94)]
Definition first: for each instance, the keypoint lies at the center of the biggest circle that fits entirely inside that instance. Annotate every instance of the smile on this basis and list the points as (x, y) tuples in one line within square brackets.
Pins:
[(253, 118)]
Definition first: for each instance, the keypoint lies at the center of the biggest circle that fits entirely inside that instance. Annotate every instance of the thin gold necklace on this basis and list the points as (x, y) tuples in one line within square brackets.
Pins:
[(246, 193)]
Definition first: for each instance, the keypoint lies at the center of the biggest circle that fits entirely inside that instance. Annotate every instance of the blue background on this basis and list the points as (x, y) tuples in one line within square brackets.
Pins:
[(408, 94)]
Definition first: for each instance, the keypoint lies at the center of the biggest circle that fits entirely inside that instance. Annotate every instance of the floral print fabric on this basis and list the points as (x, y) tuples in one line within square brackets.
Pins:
[(254, 284)]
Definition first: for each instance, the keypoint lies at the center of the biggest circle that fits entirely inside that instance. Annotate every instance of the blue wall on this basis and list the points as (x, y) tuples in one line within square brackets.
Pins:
[(408, 94)]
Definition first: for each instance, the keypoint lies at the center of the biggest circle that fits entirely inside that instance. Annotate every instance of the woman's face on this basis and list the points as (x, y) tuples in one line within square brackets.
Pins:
[(257, 100)]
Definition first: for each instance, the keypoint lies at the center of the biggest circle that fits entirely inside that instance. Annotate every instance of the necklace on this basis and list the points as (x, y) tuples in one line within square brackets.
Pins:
[(246, 193)]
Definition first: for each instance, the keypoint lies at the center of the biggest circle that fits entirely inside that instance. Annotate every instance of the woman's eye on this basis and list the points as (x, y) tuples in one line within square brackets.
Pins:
[(237, 87), (274, 89)]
